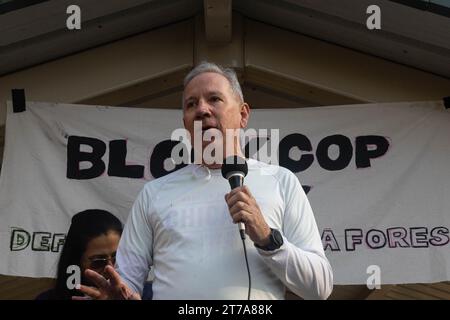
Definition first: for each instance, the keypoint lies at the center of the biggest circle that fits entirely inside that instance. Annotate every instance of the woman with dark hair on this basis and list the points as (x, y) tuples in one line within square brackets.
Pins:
[(91, 243)]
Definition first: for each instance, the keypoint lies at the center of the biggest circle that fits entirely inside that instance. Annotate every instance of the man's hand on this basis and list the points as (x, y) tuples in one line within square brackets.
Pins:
[(112, 289), (243, 208)]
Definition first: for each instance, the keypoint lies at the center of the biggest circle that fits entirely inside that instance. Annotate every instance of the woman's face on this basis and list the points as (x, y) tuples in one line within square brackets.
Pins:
[(100, 252)]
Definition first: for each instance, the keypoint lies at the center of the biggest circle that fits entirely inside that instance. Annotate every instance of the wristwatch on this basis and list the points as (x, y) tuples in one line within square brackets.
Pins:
[(276, 241)]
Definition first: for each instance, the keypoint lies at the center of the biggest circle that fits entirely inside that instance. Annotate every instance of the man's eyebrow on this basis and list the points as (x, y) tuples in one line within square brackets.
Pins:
[(209, 93), (189, 98)]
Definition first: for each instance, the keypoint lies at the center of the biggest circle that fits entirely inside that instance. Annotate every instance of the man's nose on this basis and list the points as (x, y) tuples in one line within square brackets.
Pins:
[(203, 109)]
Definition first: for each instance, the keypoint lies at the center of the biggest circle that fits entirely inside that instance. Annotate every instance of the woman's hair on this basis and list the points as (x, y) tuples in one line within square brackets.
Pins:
[(85, 226)]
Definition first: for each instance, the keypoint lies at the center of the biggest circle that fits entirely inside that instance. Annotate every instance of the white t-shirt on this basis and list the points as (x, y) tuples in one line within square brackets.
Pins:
[(180, 225)]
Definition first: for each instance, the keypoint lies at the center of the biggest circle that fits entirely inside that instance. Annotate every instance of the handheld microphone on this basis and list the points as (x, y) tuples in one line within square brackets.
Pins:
[(234, 169)]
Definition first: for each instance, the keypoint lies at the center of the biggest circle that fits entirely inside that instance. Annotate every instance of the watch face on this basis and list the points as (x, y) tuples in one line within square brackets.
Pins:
[(278, 238), (276, 241)]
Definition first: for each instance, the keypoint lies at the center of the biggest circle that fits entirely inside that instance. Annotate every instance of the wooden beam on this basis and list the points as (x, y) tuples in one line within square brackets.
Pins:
[(142, 92), (335, 69), (227, 54), (297, 88), (218, 20)]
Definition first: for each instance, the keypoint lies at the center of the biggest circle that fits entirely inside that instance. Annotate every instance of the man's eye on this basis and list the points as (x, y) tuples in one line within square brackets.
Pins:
[(189, 104), (215, 98)]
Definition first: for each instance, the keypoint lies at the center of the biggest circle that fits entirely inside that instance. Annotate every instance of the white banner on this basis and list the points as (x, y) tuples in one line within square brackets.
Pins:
[(377, 176)]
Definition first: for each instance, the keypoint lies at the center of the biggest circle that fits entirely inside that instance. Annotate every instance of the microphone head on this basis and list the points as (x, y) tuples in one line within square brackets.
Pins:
[(234, 164)]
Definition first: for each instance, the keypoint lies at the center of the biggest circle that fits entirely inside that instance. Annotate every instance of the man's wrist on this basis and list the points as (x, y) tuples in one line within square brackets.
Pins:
[(266, 240)]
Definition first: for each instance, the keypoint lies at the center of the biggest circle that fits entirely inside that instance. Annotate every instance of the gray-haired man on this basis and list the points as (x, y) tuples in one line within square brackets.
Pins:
[(183, 224)]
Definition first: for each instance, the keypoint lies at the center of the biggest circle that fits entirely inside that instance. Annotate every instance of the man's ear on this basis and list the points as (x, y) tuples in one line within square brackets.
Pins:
[(245, 114)]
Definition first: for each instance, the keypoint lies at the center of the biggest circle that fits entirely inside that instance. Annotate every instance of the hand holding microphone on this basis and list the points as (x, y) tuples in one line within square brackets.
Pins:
[(242, 205)]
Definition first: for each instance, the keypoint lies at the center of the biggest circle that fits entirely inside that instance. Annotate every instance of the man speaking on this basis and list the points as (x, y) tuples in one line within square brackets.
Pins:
[(184, 224)]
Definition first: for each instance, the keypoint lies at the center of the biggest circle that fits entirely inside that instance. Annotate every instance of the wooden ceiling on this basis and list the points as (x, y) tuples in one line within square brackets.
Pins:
[(408, 36)]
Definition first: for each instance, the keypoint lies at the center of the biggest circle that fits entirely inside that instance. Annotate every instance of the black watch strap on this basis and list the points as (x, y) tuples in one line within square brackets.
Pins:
[(276, 241)]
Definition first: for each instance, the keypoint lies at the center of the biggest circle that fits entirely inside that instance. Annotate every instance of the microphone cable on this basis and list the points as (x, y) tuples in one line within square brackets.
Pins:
[(242, 232), (234, 169)]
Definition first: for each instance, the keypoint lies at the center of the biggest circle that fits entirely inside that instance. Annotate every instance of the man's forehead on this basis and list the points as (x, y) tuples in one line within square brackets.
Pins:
[(206, 83), (193, 95)]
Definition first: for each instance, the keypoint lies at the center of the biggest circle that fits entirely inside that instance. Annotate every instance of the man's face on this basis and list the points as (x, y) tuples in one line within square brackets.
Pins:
[(209, 98)]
